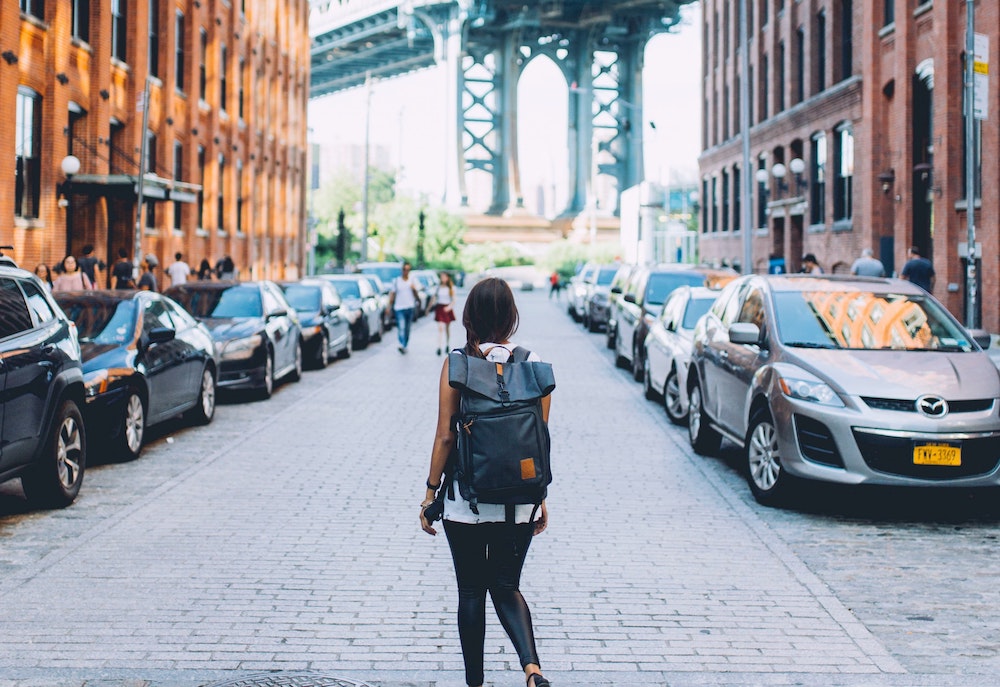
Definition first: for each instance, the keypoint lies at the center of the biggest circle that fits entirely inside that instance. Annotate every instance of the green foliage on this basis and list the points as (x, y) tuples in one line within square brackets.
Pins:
[(565, 257), (479, 257)]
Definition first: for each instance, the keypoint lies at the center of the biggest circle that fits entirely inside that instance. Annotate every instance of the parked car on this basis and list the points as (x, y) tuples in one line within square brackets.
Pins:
[(842, 379), (359, 296), (428, 281), (145, 360), (43, 439), (596, 302), (326, 327), (256, 331), (577, 289), (385, 271), (382, 295), (642, 299), (615, 292), (668, 348)]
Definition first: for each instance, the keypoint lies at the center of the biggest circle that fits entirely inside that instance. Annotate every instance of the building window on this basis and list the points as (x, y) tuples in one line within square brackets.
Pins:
[(223, 62), (178, 172), (221, 209), (780, 82), (179, 51), (765, 88), (704, 206), (715, 204), (762, 194), (119, 29), (725, 200), (889, 12), (846, 42), (202, 59), (764, 12), (819, 42), (201, 191), (750, 95), (150, 169), (737, 199), (154, 40), (81, 20), (27, 153), (843, 181), (715, 40), (239, 196), (725, 31), (725, 113), (36, 8), (800, 64), (242, 87), (817, 180)]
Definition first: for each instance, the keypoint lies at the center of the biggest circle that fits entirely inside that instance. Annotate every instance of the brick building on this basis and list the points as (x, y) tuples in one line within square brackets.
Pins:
[(857, 123), (226, 133)]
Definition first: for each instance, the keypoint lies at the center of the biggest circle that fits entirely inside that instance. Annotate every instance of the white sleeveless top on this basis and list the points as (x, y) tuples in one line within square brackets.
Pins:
[(443, 296), (457, 509)]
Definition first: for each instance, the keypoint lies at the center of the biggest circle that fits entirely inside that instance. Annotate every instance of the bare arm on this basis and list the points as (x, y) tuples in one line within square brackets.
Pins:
[(444, 441)]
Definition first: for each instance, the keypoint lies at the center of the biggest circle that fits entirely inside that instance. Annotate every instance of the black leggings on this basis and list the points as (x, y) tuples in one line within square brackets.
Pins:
[(489, 557)]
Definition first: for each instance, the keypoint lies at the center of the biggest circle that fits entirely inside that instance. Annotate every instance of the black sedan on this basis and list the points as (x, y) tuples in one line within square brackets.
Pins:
[(145, 360), (256, 331), (326, 326)]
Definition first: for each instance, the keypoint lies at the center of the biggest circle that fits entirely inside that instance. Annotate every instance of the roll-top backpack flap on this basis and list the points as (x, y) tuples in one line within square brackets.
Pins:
[(523, 381)]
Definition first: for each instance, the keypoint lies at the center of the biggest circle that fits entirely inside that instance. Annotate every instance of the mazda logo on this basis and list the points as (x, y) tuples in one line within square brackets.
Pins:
[(932, 406)]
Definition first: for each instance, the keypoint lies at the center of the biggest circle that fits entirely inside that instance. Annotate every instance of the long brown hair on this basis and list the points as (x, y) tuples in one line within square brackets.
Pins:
[(490, 315)]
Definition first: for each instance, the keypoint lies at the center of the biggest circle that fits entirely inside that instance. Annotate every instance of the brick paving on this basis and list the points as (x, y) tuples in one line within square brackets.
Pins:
[(283, 537)]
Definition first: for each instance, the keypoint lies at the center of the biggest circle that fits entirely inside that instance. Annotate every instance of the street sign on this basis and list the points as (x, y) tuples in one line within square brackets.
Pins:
[(981, 77), (963, 249)]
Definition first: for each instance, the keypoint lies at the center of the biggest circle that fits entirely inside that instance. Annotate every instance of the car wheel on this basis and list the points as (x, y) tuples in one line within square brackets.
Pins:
[(296, 374), (133, 427), (647, 383), (322, 353), (593, 326), (637, 364), (204, 409), (381, 329), (364, 337), (672, 398), (55, 481), (610, 343), (704, 439), (768, 481), (585, 320), (268, 389), (620, 360)]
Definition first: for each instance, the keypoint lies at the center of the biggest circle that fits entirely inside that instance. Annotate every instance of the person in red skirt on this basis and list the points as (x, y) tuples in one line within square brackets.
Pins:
[(444, 311)]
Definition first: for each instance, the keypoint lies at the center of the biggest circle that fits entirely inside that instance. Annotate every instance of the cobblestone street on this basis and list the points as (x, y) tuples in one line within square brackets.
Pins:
[(284, 537)]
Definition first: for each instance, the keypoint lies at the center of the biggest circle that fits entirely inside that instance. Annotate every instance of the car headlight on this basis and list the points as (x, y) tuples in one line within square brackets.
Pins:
[(813, 391), (241, 349), (95, 383)]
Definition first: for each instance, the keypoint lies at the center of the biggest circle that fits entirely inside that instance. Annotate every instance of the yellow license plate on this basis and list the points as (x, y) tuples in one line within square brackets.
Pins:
[(937, 454)]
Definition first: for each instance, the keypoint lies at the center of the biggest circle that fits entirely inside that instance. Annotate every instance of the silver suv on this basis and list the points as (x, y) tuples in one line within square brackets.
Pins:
[(847, 380)]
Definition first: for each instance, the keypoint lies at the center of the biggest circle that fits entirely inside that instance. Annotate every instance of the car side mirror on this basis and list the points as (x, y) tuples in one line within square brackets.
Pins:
[(744, 333), (277, 313), (982, 337), (616, 290), (161, 335), (629, 298)]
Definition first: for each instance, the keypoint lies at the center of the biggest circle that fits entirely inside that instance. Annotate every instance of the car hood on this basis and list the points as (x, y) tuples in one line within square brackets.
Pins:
[(310, 318), (904, 374), (103, 356), (226, 329)]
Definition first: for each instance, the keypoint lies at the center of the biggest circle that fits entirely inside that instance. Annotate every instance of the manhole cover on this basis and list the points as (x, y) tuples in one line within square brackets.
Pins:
[(289, 680)]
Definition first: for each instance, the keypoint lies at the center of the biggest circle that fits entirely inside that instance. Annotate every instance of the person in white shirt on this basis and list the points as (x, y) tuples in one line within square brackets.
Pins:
[(488, 552), (444, 311), (403, 299), (179, 271)]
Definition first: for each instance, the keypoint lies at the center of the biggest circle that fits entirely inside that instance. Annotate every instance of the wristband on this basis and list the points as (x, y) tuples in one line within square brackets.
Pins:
[(433, 487)]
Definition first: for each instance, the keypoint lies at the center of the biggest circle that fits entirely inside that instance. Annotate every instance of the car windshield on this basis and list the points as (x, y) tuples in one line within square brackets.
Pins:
[(237, 301), (661, 285), (696, 307), (303, 298), (604, 277), (102, 322), (384, 272), (348, 288), (864, 320)]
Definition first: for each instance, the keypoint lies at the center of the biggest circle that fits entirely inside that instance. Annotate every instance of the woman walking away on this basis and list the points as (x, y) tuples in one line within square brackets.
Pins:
[(205, 270), (444, 311), (488, 550), (72, 277)]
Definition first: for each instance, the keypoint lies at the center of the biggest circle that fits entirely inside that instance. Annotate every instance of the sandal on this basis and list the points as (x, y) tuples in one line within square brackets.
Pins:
[(540, 680)]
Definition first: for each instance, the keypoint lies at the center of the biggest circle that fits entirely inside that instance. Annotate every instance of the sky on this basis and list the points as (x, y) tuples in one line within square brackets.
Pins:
[(407, 118)]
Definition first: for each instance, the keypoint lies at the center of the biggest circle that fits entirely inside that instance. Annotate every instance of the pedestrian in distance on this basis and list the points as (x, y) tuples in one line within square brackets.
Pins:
[(205, 270), (72, 277), (90, 265), (403, 299), (147, 282), (918, 269), (555, 285), (43, 272), (867, 265), (226, 268), (810, 265), (179, 271), (488, 549), (123, 271), (444, 311)]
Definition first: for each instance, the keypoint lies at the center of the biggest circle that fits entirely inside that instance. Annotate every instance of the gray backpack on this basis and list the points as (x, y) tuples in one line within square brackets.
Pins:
[(502, 451)]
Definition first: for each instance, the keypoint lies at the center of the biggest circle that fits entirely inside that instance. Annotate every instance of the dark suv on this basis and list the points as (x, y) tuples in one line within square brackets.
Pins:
[(42, 438)]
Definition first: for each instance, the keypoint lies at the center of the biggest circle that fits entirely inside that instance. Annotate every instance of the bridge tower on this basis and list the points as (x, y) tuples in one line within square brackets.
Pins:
[(483, 47)]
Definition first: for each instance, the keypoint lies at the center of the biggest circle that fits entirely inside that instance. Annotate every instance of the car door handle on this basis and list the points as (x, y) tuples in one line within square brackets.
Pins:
[(724, 355)]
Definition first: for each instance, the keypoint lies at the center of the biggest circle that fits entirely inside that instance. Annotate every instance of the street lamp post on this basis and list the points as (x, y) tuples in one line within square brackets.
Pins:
[(365, 174), (139, 199), (70, 166)]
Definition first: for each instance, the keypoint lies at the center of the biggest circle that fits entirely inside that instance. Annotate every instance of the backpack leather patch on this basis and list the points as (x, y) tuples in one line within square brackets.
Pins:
[(528, 468)]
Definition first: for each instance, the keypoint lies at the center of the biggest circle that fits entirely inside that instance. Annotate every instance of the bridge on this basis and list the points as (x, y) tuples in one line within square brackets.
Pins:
[(484, 45)]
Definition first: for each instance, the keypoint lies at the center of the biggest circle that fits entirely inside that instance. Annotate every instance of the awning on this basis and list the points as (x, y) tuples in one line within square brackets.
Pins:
[(127, 186)]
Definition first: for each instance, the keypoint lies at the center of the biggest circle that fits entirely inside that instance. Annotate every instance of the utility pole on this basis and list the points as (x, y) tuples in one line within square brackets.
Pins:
[(745, 178), (364, 186), (139, 199), (971, 295)]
